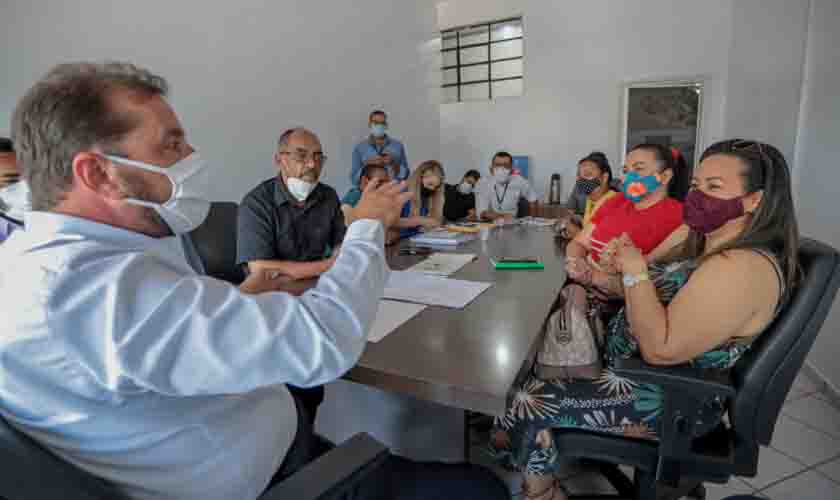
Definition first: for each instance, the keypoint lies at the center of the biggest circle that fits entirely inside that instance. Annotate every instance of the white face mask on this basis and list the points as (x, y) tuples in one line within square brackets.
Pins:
[(188, 205), (16, 199), (465, 188), (300, 188), (501, 175)]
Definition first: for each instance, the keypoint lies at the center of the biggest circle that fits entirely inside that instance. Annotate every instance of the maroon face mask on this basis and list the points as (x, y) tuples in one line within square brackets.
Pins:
[(707, 214)]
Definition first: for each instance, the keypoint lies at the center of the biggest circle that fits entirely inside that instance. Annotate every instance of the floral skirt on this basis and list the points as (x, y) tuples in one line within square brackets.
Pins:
[(612, 404), (522, 439)]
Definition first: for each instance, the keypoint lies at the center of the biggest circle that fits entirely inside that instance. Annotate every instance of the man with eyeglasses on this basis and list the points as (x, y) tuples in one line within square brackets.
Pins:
[(292, 225)]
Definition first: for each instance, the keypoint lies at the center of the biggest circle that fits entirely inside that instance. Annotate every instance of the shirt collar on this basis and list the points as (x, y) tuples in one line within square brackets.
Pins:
[(43, 230), (47, 227), (372, 140)]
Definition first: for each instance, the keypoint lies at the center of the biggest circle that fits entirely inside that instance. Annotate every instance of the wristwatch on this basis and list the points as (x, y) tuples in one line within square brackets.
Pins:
[(630, 280)]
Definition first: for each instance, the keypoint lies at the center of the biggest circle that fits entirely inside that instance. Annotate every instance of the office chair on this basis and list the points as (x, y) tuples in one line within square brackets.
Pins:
[(215, 242), (755, 388), (31, 472)]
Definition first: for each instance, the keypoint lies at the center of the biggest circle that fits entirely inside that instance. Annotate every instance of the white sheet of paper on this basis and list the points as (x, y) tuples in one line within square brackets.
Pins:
[(443, 264), (421, 288), (537, 221), (390, 315)]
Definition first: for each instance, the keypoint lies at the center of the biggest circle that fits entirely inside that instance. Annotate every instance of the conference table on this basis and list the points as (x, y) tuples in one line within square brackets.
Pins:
[(470, 358)]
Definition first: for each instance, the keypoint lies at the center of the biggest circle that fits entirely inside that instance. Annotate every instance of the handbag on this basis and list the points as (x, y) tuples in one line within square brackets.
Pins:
[(572, 335)]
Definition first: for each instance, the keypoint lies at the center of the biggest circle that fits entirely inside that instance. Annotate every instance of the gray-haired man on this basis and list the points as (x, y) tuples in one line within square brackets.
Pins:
[(119, 358)]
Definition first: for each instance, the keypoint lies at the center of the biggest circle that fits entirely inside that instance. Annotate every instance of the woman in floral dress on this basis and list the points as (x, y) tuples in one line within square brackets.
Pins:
[(703, 305)]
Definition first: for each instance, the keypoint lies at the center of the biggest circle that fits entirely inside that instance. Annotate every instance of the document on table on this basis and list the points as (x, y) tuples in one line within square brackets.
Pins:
[(443, 264), (389, 316), (536, 221), (421, 288)]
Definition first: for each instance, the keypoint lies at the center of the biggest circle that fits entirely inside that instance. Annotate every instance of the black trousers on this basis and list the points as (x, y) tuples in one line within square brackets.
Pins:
[(398, 478), (311, 398)]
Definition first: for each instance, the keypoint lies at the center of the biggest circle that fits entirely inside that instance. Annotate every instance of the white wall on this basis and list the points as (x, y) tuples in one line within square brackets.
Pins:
[(241, 72), (817, 159), (578, 54), (765, 71)]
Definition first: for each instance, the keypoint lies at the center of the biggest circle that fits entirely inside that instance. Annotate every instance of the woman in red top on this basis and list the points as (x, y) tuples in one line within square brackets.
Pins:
[(649, 209)]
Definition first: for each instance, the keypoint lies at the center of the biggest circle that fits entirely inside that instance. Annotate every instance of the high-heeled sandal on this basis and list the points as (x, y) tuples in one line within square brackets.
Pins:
[(555, 486)]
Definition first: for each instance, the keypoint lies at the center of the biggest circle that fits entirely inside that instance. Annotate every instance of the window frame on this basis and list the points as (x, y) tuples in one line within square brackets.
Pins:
[(693, 81), (489, 62)]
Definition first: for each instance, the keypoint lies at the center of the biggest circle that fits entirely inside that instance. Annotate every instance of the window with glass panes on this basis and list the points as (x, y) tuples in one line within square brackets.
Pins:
[(482, 61)]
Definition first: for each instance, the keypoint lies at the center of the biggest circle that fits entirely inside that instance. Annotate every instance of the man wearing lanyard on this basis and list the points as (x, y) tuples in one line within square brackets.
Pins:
[(122, 360), (379, 149), (498, 197)]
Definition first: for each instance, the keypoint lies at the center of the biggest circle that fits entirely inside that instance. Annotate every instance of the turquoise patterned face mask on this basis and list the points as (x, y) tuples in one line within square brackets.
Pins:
[(637, 187)]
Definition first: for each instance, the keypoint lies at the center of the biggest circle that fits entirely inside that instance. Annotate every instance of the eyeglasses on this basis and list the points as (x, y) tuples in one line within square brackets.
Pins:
[(305, 156), (744, 145)]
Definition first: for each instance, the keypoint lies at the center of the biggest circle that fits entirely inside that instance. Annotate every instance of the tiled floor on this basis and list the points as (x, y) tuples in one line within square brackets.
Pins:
[(802, 462)]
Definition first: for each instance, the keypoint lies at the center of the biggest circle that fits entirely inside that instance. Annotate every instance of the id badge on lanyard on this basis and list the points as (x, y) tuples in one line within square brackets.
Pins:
[(504, 194)]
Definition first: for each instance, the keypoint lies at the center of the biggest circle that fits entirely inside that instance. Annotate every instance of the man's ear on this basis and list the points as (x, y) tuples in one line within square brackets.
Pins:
[(92, 173)]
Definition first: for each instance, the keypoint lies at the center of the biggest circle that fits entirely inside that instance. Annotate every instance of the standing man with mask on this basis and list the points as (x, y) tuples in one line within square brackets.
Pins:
[(123, 361), (379, 149), (498, 197)]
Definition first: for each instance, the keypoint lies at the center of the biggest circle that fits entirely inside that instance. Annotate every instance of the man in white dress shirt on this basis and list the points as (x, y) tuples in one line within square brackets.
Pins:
[(119, 358), (498, 196)]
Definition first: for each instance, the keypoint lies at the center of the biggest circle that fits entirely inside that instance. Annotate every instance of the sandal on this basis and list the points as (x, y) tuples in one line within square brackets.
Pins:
[(554, 487)]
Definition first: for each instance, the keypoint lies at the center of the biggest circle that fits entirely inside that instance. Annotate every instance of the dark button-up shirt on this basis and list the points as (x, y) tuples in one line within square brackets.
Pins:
[(274, 226)]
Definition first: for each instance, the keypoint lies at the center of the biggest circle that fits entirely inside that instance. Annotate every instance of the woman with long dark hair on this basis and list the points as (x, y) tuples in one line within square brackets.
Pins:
[(735, 270)]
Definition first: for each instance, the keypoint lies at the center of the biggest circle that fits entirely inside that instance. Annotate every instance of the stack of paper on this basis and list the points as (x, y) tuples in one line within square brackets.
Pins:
[(391, 315), (443, 264), (441, 237), (469, 227), (536, 221), (420, 288)]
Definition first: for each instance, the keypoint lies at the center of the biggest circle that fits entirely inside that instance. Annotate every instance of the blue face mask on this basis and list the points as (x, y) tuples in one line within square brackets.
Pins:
[(378, 130), (637, 187)]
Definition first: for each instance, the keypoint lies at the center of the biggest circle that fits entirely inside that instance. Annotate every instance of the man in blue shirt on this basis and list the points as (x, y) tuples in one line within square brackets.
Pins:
[(120, 359), (379, 149)]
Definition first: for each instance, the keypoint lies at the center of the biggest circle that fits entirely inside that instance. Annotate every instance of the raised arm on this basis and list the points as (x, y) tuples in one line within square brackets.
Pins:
[(189, 335)]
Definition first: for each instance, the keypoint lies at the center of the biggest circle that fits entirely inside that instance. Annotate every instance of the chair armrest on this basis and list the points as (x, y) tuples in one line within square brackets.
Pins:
[(334, 473), (677, 378), (686, 392)]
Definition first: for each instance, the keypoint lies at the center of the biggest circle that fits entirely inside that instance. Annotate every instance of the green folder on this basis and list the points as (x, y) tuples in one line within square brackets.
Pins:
[(519, 265)]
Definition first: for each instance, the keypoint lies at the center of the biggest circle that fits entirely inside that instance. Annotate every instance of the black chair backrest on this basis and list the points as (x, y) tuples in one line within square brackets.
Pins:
[(765, 374), (30, 472), (215, 242)]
